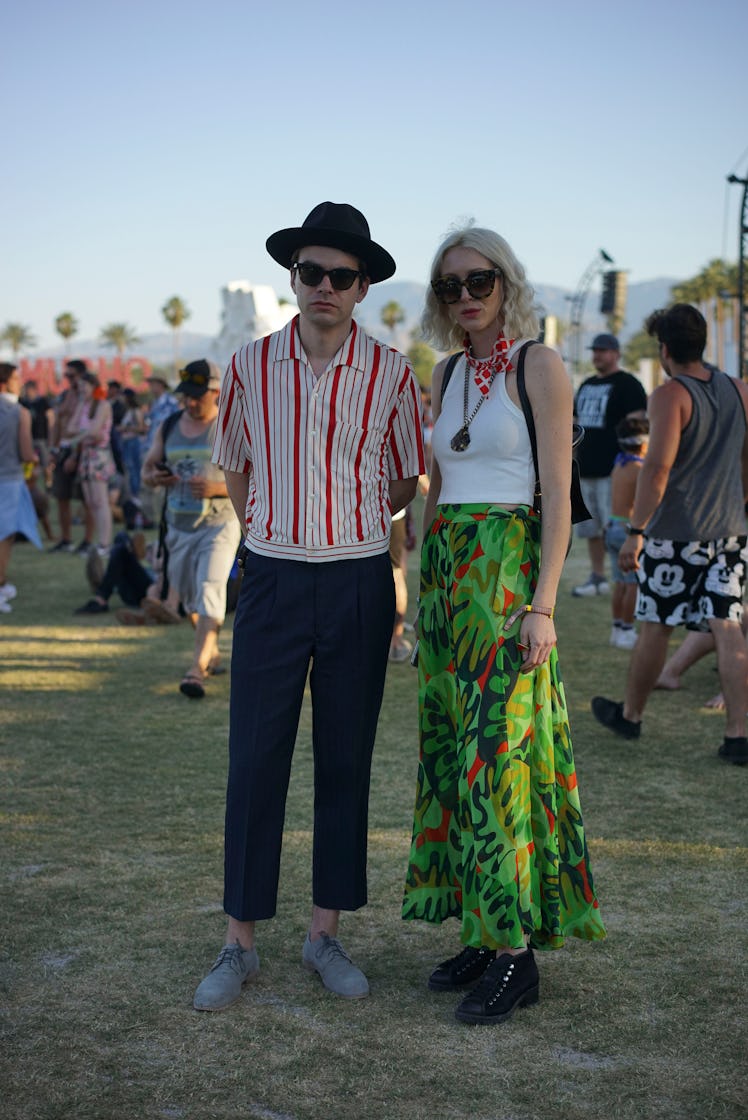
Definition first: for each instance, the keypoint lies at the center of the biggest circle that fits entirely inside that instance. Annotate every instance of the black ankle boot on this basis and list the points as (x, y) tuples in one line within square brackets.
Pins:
[(508, 983), (461, 971)]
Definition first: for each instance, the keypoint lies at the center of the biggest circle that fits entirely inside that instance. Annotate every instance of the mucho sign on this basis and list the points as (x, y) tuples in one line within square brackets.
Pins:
[(49, 372)]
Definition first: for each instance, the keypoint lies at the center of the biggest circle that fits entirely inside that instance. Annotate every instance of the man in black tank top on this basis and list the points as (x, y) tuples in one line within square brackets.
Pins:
[(687, 537)]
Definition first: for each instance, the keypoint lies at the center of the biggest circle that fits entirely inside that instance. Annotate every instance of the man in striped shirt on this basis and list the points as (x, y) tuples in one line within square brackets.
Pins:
[(320, 439)]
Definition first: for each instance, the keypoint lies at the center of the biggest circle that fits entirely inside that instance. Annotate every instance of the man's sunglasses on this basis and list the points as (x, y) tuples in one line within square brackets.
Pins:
[(194, 376), (312, 275), (479, 284)]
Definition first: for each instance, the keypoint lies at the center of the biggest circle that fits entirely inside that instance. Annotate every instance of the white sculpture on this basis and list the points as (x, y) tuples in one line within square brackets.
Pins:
[(249, 312)]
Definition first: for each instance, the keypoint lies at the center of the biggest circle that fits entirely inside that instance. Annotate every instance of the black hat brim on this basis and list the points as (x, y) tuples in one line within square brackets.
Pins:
[(283, 244)]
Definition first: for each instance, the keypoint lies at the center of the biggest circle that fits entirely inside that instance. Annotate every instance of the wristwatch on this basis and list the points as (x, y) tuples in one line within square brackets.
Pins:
[(632, 531)]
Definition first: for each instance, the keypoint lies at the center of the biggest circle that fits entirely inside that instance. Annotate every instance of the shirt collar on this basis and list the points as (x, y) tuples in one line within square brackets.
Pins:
[(351, 354)]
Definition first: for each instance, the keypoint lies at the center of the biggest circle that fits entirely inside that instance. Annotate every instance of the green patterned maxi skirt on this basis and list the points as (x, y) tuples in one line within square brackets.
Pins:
[(498, 839)]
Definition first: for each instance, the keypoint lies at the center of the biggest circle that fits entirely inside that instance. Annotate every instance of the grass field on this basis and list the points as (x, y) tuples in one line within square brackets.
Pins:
[(111, 824)]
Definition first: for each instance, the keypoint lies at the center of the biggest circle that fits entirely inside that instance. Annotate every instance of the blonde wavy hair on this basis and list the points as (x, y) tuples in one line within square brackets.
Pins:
[(520, 320)]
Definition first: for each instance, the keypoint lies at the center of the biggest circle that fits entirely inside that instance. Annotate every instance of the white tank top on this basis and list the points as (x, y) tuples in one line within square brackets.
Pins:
[(497, 466)]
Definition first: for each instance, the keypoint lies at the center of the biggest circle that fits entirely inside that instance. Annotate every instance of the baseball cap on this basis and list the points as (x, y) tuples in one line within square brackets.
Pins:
[(198, 377), (604, 342), (158, 377)]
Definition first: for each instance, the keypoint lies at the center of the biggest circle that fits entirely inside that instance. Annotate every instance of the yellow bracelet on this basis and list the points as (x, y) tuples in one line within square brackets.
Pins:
[(526, 608)]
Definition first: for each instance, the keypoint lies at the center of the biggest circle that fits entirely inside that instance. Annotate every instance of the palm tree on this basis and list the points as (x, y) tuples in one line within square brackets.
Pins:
[(66, 326), (118, 335), (423, 359), (17, 337), (712, 291), (392, 314), (175, 311)]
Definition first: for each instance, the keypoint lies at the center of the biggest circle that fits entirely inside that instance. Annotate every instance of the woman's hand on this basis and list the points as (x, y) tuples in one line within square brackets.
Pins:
[(537, 637)]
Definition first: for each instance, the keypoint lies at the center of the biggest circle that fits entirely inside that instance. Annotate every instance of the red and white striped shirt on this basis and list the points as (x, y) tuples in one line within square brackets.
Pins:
[(319, 451)]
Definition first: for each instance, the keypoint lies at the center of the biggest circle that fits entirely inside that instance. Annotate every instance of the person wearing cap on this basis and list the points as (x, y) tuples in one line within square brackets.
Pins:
[(320, 437), (163, 404), (602, 401), (687, 536), (66, 485), (202, 534)]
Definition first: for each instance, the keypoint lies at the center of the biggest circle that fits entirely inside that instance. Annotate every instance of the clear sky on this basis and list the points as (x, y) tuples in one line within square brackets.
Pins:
[(151, 147)]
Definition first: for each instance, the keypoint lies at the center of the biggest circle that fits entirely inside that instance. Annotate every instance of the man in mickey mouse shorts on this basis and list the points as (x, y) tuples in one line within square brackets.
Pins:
[(687, 537)]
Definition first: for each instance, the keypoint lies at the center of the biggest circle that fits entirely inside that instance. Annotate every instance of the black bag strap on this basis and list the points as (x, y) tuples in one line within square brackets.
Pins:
[(529, 418), (167, 426), (448, 371)]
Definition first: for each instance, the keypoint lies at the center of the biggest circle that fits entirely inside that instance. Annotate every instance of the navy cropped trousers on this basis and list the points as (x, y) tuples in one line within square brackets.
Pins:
[(337, 617)]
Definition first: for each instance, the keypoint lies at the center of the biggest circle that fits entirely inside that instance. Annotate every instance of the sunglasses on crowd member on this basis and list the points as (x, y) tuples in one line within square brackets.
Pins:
[(312, 275), (196, 377), (479, 284)]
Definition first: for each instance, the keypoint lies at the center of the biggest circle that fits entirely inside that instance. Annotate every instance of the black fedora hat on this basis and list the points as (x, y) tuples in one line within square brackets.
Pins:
[(339, 226)]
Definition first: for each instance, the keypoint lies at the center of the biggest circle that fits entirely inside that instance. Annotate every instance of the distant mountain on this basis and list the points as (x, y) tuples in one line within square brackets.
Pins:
[(158, 348), (642, 299)]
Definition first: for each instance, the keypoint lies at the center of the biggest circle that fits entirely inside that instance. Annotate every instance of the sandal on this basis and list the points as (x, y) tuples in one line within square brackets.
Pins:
[(192, 686)]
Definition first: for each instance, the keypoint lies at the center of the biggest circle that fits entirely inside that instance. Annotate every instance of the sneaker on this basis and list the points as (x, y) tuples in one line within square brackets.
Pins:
[(5, 607), (593, 585), (734, 750), (624, 639), (62, 546), (233, 967), (8, 591), (83, 548), (509, 982), (610, 715), (93, 606), (336, 969), (461, 971)]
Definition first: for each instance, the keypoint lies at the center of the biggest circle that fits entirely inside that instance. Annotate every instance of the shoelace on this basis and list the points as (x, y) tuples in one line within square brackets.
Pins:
[(230, 955), (466, 957), (487, 986), (332, 945)]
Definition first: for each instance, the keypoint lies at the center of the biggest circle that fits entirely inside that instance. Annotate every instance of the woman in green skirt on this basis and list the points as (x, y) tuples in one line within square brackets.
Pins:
[(498, 840)]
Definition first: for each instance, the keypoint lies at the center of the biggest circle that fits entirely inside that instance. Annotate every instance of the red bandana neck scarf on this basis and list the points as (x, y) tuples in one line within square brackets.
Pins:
[(485, 369)]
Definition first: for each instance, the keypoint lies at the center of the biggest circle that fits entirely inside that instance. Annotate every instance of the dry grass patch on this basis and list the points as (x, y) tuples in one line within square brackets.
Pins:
[(111, 824)]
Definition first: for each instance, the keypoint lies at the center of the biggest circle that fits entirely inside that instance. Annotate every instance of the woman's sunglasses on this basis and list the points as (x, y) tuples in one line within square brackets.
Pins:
[(312, 275), (479, 284)]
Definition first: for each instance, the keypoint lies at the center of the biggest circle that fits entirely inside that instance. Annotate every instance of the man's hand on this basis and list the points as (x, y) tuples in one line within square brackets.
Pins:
[(628, 557)]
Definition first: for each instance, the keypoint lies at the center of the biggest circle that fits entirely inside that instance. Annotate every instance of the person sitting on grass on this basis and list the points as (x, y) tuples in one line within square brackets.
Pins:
[(136, 584)]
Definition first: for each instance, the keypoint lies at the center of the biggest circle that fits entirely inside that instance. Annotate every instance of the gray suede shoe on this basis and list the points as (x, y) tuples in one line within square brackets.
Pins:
[(336, 969), (223, 985)]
